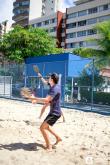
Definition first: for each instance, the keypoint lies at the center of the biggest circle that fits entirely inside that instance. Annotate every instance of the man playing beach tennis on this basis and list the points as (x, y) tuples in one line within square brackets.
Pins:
[(46, 105), (53, 98)]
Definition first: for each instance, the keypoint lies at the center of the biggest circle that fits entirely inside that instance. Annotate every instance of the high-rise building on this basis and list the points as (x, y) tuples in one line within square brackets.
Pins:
[(80, 20), (25, 10), (76, 25), (51, 23), (51, 6), (21, 12), (35, 9), (3, 28)]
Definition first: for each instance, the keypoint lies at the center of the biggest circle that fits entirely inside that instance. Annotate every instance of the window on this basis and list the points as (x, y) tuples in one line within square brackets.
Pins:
[(53, 29), (104, 18), (82, 13), (81, 44), (92, 10), (72, 15), (82, 23), (52, 20), (21, 12), (38, 24), (104, 7), (71, 25), (46, 22), (91, 43), (16, 5), (63, 39), (108, 82), (25, 3), (91, 32), (63, 30), (70, 45), (33, 25), (25, 12), (63, 21), (71, 35), (17, 12), (92, 21), (81, 33)]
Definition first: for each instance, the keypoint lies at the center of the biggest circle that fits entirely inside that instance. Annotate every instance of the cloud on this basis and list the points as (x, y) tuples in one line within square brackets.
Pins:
[(6, 7), (68, 3)]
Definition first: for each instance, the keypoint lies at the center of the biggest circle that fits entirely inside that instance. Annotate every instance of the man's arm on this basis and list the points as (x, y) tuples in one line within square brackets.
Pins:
[(45, 100), (42, 79)]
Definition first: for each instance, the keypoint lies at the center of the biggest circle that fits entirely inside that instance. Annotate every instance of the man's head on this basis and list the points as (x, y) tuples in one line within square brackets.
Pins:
[(53, 79)]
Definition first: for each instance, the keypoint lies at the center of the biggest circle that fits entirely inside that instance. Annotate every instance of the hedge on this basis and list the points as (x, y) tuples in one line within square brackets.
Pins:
[(98, 97)]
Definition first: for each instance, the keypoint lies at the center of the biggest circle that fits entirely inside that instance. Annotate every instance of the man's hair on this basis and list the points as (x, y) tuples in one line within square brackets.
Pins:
[(55, 77)]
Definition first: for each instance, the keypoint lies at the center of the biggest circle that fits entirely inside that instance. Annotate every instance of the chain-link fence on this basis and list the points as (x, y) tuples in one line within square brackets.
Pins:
[(83, 86)]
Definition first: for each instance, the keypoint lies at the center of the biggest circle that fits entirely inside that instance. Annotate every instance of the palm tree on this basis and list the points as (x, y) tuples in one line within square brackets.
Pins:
[(102, 54)]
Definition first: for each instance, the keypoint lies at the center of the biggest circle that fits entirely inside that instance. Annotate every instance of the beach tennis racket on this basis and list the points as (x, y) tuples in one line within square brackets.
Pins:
[(36, 69), (26, 93)]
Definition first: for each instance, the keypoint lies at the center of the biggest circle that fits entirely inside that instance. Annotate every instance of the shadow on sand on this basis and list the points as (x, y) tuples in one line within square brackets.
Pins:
[(18, 146)]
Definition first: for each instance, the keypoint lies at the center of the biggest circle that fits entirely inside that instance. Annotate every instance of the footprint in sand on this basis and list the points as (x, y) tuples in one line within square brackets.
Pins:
[(84, 149), (1, 126), (66, 137), (1, 162)]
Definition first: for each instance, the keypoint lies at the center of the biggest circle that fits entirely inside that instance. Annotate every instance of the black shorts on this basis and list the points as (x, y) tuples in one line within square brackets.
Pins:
[(51, 119)]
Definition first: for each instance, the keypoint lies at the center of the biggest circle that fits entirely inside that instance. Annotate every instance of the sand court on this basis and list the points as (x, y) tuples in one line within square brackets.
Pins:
[(86, 137)]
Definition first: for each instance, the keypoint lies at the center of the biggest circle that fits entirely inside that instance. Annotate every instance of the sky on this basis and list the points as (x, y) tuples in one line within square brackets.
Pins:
[(6, 7), (68, 3)]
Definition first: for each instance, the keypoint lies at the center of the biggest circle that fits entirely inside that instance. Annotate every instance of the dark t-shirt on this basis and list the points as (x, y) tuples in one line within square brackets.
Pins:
[(55, 93)]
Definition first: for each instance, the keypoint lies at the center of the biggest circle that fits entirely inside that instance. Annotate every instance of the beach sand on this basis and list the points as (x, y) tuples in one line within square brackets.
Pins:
[(86, 137)]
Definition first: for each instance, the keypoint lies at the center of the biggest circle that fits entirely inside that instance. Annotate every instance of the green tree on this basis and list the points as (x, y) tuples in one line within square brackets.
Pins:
[(102, 54), (85, 78), (21, 43)]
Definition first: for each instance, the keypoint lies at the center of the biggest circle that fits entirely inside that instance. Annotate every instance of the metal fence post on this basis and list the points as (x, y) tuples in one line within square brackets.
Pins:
[(92, 91), (64, 85), (25, 75), (4, 76), (43, 73)]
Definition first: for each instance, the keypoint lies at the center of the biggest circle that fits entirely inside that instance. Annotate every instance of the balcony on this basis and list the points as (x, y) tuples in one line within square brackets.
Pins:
[(21, 7), (16, 3), (20, 15), (23, 22)]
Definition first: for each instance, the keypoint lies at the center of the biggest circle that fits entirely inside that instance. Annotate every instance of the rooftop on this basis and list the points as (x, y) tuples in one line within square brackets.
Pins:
[(79, 2)]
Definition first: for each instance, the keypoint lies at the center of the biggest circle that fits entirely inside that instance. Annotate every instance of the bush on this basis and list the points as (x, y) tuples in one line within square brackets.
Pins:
[(102, 98), (98, 97)]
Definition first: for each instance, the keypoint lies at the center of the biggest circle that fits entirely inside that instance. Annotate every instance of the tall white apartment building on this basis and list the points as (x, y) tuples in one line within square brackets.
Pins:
[(51, 6), (80, 20), (35, 9), (51, 23), (75, 27), (40, 8)]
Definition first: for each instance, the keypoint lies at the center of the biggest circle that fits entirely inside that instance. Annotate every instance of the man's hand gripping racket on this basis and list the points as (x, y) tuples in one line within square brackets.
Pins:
[(36, 69), (27, 94)]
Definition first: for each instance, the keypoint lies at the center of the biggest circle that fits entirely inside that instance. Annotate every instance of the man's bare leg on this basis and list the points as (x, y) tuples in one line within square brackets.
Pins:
[(43, 129), (58, 139)]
